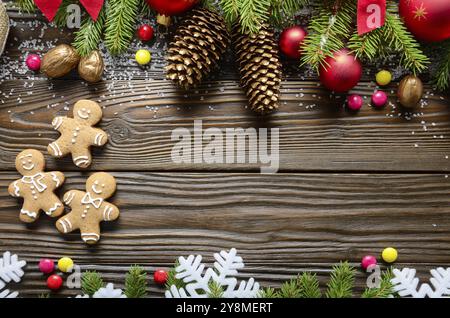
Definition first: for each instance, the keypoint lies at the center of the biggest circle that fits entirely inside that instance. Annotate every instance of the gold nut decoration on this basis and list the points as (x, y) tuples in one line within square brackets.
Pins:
[(59, 61), (410, 91), (91, 67)]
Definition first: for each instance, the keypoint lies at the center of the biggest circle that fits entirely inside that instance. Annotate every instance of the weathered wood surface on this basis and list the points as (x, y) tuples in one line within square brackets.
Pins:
[(350, 184)]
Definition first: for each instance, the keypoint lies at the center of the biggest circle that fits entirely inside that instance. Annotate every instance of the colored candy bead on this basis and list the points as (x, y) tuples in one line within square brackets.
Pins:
[(145, 32), (33, 62), (46, 266), (367, 261), (354, 102), (383, 78), (54, 282), (389, 255), (143, 57), (65, 264), (379, 99), (160, 277)]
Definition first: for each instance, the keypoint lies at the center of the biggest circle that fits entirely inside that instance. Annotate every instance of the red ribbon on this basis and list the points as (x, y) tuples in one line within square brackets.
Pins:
[(371, 15), (50, 7)]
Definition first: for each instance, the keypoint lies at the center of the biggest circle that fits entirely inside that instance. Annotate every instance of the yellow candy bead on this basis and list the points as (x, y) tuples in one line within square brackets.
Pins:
[(65, 264), (143, 57), (384, 78), (389, 255)]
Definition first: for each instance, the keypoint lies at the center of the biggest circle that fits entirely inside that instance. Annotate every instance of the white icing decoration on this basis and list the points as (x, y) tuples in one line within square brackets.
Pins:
[(16, 189), (88, 237), (32, 215), (35, 181), (57, 122), (28, 168), (95, 190), (68, 197), (98, 139), (51, 210), (56, 149), (87, 199), (107, 213), (55, 178), (81, 113), (65, 223), (81, 160)]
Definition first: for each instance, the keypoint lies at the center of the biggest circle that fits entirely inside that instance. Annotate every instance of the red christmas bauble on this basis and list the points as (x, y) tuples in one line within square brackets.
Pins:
[(145, 32), (291, 40), (160, 277), (341, 72), (54, 282), (428, 20), (172, 7)]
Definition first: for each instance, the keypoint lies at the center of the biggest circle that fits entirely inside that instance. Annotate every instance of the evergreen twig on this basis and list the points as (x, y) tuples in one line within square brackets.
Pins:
[(341, 281), (61, 16), (26, 5), (384, 290), (88, 37), (91, 282), (136, 282), (215, 290), (442, 77), (171, 278), (309, 286)]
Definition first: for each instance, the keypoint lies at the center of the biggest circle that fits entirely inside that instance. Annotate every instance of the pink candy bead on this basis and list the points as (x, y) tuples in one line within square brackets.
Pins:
[(46, 266), (379, 99), (33, 62), (367, 261), (354, 102)]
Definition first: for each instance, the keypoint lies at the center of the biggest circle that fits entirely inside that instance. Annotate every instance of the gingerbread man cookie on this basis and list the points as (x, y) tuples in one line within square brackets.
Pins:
[(36, 186), (77, 134), (90, 208)]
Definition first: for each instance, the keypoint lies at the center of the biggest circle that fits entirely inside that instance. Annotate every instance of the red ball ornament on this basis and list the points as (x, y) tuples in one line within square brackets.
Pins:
[(145, 32), (379, 99), (54, 282), (354, 102), (160, 277), (341, 72), (291, 40), (46, 266), (428, 20), (33, 62), (167, 8), (367, 261)]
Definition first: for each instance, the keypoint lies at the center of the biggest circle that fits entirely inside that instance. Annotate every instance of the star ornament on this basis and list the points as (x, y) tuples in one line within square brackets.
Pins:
[(420, 13)]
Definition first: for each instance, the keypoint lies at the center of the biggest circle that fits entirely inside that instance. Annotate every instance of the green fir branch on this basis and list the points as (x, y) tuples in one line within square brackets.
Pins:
[(268, 292), (384, 290), (120, 24), (61, 16), (88, 37), (231, 10), (215, 290), (91, 282), (171, 278), (136, 282), (26, 5), (328, 32), (253, 14), (341, 281), (442, 77), (309, 286)]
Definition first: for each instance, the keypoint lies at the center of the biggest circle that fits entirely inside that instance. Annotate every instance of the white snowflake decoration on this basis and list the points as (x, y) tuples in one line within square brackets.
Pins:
[(405, 283), (10, 270), (191, 271), (109, 292)]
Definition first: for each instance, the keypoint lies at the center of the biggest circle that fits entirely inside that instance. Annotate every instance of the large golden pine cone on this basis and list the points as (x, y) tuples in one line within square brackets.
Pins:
[(199, 43), (260, 68)]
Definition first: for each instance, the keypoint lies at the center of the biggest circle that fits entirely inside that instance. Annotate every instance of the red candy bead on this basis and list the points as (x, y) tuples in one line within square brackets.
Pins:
[(367, 261), (46, 266), (160, 277), (379, 99), (354, 102), (145, 32), (54, 282), (33, 62)]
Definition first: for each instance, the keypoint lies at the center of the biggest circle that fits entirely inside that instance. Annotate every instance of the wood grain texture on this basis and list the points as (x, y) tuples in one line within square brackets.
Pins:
[(280, 224), (316, 133)]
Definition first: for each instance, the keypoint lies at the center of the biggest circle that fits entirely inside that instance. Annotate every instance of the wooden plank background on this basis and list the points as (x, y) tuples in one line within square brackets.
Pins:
[(349, 184)]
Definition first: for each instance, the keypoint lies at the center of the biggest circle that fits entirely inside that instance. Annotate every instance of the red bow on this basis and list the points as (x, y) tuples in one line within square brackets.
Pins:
[(50, 7), (371, 15)]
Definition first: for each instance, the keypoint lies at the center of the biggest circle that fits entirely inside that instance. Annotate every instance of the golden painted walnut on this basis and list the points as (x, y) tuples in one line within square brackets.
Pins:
[(90, 208), (36, 187), (77, 134)]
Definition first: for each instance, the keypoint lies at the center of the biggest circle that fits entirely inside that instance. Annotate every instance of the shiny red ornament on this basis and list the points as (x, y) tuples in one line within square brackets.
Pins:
[(428, 20), (172, 7), (145, 32), (367, 261), (291, 40), (160, 277), (341, 72), (54, 282)]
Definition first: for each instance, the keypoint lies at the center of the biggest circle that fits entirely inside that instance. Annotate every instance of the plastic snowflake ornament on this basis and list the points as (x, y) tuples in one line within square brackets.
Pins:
[(192, 272), (109, 292), (10, 270), (406, 284)]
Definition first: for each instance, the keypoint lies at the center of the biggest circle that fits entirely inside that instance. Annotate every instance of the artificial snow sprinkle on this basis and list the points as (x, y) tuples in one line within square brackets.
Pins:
[(225, 268), (405, 283)]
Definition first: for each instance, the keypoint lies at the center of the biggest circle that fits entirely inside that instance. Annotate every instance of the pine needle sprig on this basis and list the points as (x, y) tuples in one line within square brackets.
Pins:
[(136, 282), (91, 282), (442, 76), (253, 13), (329, 32), (384, 290), (290, 289), (341, 281), (268, 292), (120, 24), (284, 10), (26, 5), (215, 290), (309, 286), (171, 278), (61, 16), (88, 37)]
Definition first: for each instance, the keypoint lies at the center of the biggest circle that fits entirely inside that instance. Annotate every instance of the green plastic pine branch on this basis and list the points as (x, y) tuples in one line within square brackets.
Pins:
[(341, 281), (26, 5), (61, 16), (136, 282), (91, 282), (88, 37), (384, 290), (442, 76), (215, 290), (172, 280)]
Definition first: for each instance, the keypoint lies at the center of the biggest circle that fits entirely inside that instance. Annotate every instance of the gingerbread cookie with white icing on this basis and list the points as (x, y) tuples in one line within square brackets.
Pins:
[(78, 133), (36, 187), (90, 208)]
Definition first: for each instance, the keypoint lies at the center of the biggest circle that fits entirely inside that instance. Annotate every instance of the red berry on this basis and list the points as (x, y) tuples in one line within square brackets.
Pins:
[(46, 266), (54, 282), (367, 261), (160, 277), (145, 32), (33, 62)]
